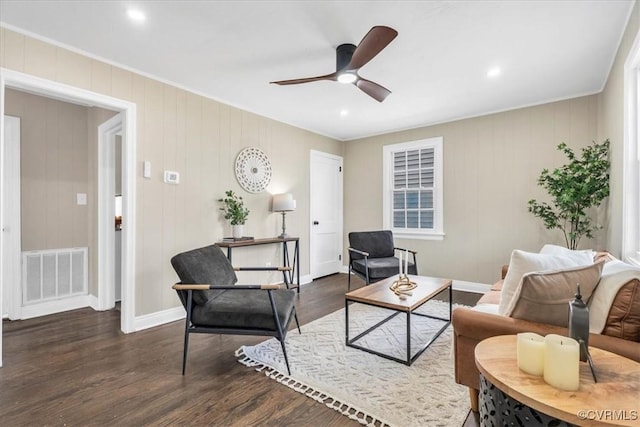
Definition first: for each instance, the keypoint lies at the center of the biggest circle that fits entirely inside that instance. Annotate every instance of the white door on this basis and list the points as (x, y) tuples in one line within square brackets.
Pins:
[(11, 295), (326, 214)]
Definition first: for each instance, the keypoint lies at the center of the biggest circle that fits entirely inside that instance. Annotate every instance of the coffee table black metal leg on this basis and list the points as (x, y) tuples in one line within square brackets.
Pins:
[(408, 338), (346, 322), (450, 300)]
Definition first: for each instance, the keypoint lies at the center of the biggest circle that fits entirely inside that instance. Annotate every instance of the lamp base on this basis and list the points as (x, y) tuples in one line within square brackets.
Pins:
[(284, 227)]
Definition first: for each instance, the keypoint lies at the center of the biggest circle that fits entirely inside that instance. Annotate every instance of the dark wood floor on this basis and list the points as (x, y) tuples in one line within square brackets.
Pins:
[(77, 368)]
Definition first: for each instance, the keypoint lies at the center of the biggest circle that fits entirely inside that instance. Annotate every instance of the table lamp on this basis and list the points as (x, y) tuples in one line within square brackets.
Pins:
[(283, 203)]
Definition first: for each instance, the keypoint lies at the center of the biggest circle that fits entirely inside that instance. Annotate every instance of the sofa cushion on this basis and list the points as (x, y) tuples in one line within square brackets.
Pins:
[(490, 297), (544, 297), (526, 262), (624, 316), (615, 275)]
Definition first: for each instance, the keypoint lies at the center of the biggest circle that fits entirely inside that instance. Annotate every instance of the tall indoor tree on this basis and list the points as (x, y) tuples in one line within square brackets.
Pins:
[(575, 187)]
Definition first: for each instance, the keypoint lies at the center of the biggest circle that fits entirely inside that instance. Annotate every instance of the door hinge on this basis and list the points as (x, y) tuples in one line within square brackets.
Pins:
[(339, 168), (339, 257)]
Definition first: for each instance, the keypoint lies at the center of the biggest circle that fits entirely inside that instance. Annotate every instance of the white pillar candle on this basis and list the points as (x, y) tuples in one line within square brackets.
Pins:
[(406, 262), (562, 362), (400, 264), (530, 353)]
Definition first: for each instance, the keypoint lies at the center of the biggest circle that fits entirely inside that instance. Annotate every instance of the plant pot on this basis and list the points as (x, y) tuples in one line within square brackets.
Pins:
[(237, 230)]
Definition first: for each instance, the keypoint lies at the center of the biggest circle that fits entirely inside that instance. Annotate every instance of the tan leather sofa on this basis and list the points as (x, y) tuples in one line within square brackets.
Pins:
[(471, 327)]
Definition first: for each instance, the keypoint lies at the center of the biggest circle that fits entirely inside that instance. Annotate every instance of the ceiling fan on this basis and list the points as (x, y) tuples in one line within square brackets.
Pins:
[(350, 58)]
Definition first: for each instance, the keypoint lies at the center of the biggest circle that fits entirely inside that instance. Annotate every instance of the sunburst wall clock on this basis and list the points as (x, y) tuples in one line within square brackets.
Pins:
[(253, 170)]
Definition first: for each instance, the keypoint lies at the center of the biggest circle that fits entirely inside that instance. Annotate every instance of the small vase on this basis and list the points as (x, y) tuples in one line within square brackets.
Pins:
[(237, 230)]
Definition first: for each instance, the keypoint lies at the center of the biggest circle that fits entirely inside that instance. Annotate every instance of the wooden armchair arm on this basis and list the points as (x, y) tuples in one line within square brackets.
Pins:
[(408, 250), (262, 268), (365, 254), (202, 287)]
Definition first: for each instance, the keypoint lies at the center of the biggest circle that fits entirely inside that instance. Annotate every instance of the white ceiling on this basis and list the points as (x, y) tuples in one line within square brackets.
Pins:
[(436, 68)]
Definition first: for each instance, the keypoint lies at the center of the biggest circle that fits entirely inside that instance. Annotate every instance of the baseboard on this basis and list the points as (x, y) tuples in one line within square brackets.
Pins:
[(158, 318), (53, 307)]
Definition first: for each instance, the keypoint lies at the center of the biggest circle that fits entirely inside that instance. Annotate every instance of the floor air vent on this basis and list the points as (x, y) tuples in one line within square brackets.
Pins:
[(53, 274)]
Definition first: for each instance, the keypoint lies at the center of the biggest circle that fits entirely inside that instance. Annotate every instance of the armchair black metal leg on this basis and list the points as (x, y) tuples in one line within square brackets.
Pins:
[(349, 278), (184, 352), (186, 330), (295, 317), (281, 333), (284, 352)]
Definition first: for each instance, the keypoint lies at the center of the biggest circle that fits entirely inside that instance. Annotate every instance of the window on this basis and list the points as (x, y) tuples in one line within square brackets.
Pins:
[(412, 199), (631, 159)]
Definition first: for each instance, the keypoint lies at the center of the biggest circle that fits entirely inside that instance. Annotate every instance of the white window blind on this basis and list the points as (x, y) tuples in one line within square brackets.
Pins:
[(413, 188)]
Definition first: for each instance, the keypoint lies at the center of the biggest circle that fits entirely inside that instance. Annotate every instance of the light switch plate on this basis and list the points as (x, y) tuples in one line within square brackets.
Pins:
[(81, 198), (146, 170)]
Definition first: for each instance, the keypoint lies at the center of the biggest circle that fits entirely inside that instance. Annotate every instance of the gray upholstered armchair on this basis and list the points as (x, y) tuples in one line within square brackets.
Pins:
[(215, 305), (372, 256)]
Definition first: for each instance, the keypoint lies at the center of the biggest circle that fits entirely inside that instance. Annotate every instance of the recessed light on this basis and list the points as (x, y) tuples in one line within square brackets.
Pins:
[(494, 72), (136, 15), (344, 112)]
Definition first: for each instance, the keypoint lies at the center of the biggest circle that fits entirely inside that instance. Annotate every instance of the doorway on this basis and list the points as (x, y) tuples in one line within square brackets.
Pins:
[(27, 83), (326, 214)]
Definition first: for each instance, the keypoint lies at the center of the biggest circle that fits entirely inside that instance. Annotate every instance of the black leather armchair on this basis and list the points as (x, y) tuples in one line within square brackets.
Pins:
[(372, 256), (215, 305)]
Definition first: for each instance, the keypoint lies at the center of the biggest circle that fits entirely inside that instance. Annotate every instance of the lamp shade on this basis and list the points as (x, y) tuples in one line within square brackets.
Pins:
[(283, 202)]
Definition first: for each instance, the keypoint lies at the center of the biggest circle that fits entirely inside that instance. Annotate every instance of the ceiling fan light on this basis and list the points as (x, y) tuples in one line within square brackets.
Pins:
[(347, 77)]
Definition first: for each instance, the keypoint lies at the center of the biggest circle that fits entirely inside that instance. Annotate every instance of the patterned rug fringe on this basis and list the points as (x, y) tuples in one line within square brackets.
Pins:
[(345, 409)]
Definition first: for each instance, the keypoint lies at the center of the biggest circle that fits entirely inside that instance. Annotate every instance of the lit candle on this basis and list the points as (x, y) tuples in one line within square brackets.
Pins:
[(530, 353), (562, 362)]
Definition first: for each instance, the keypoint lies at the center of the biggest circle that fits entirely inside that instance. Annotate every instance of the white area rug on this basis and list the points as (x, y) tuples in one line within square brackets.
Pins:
[(363, 386)]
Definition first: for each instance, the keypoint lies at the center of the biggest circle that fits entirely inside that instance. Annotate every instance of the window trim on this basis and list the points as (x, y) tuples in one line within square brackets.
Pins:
[(438, 197), (631, 158)]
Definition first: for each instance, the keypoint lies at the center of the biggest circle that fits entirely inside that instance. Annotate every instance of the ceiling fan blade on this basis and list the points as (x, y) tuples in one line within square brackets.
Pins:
[(372, 89), (332, 76), (372, 44)]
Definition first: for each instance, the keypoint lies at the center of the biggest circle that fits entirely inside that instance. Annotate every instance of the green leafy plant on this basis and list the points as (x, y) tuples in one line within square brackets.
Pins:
[(574, 188), (233, 208)]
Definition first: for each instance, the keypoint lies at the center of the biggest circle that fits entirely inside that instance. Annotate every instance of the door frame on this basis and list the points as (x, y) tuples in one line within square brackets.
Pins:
[(314, 154), (12, 210), (37, 85), (107, 132)]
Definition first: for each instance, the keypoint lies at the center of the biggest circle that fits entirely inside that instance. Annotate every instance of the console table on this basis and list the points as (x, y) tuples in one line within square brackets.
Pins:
[(295, 266), (507, 393)]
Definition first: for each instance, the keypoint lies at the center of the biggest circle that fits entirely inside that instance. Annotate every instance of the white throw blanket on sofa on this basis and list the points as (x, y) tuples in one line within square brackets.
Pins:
[(615, 275)]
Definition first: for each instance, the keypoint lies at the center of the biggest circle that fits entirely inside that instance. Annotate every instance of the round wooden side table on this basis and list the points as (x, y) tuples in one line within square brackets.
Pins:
[(507, 394)]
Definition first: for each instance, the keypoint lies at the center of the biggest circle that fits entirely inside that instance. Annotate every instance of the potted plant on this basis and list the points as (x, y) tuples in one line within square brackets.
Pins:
[(234, 211), (581, 184)]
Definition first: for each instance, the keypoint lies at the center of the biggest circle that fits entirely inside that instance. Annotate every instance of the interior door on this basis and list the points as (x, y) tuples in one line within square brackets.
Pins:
[(11, 301), (326, 214)]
